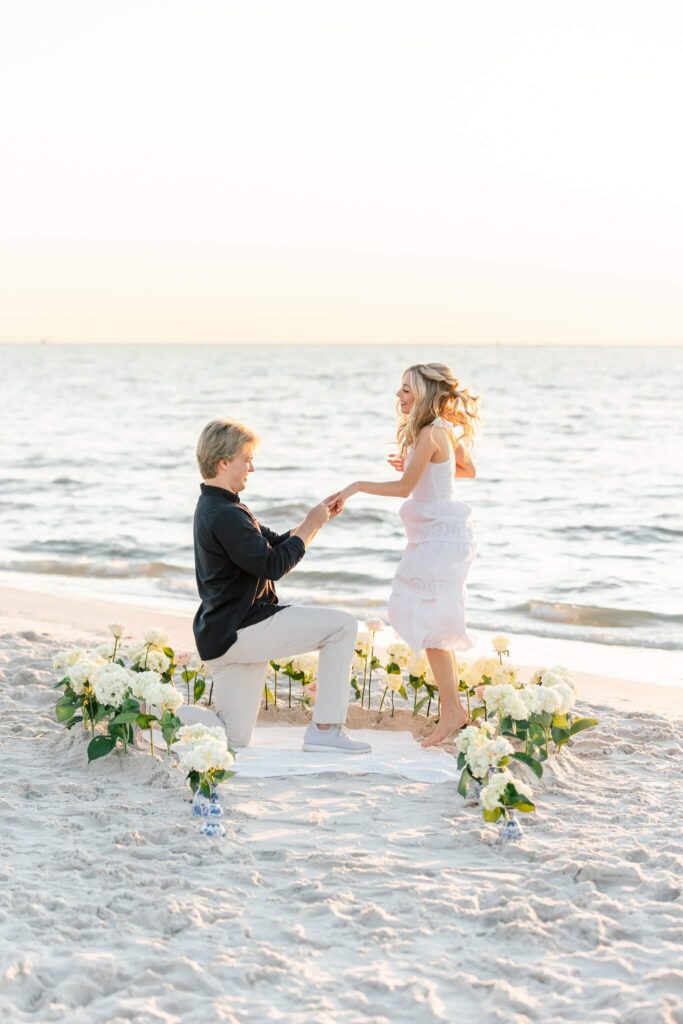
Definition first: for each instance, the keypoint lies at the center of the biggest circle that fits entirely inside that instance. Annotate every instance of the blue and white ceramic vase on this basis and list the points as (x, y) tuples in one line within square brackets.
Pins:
[(211, 813), (511, 830)]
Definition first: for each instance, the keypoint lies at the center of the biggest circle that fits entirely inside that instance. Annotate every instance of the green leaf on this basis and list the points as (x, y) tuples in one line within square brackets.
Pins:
[(420, 704), (62, 682), (145, 721), (199, 688), (99, 746), (168, 651), (170, 724), (530, 762), (582, 723), (205, 788), (493, 815), (478, 712), (461, 760), (536, 733), (125, 718), (522, 804), (464, 783), (223, 775), (560, 721), (64, 712), (402, 691), (392, 669), (72, 721)]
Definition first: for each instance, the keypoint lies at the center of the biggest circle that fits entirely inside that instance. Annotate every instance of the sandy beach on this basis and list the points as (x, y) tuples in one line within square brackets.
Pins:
[(332, 898)]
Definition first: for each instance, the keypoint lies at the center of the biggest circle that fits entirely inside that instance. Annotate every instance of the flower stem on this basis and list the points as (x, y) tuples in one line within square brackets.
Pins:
[(275, 687), (151, 737), (372, 655), (392, 703), (383, 696), (290, 691)]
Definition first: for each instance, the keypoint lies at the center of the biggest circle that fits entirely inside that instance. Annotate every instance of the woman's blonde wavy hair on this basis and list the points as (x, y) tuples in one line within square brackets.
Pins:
[(438, 393)]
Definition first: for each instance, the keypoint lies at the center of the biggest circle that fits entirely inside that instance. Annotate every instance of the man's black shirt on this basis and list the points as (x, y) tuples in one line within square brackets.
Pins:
[(236, 560)]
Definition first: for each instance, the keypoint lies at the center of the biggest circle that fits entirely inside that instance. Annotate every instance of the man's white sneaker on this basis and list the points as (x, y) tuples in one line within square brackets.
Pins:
[(335, 738)]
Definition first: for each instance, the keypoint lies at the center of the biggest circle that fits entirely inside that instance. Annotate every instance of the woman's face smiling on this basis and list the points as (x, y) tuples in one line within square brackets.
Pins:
[(405, 395)]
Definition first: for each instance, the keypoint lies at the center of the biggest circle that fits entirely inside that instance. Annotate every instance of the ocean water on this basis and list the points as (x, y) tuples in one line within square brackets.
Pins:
[(577, 502)]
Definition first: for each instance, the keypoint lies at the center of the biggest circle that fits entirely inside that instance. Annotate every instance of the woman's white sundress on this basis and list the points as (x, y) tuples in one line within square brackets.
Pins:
[(427, 601)]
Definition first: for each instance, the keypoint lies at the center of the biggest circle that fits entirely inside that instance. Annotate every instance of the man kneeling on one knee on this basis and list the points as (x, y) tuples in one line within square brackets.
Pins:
[(240, 626)]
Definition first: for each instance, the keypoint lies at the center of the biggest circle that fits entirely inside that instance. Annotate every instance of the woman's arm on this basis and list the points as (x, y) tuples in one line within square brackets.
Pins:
[(463, 464), (422, 453)]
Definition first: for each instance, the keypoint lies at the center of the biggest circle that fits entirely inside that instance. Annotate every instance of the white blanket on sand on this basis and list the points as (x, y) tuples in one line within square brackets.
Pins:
[(276, 751)]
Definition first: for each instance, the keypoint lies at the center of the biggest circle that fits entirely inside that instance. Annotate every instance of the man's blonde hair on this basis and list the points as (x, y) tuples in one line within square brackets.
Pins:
[(221, 439)]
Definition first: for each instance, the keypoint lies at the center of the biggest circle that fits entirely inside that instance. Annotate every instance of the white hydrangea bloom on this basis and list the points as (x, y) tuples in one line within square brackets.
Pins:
[(483, 756), (198, 732), (80, 673), (485, 666), (504, 674), (494, 789), (144, 685), (111, 683), (156, 660), (207, 755), (168, 698), (564, 674), (471, 735)]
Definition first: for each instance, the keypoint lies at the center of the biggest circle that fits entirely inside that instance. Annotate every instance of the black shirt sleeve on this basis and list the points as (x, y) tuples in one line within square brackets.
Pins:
[(273, 538), (239, 536)]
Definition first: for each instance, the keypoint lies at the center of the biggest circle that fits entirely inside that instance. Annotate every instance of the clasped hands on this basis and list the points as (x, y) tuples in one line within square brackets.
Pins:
[(335, 502)]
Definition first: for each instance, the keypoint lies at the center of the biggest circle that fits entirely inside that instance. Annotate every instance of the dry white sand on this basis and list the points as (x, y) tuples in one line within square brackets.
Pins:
[(332, 898)]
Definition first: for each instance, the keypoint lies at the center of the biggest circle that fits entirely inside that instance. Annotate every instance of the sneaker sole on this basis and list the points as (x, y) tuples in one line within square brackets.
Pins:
[(327, 747)]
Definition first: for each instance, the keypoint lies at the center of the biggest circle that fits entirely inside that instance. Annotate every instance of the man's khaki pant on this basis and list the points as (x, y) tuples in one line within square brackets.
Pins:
[(239, 674)]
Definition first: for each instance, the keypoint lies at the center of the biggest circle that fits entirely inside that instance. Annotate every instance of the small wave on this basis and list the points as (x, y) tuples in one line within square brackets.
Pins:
[(115, 569), (592, 615)]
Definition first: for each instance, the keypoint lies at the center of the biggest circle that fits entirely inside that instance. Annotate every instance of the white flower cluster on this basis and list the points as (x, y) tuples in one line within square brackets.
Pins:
[(473, 672), (418, 664), (481, 751), (150, 687), (111, 683), (400, 654), (205, 749), (504, 699), (492, 792), (150, 653), (306, 663), (82, 672), (64, 659)]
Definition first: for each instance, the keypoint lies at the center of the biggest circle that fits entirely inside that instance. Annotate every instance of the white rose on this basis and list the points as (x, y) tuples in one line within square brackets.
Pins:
[(501, 644), (157, 637), (362, 644), (418, 664), (399, 653), (374, 625), (116, 630), (63, 659), (394, 682)]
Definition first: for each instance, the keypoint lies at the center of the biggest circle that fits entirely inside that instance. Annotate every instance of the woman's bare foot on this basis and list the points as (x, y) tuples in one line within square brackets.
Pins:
[(447, 724)]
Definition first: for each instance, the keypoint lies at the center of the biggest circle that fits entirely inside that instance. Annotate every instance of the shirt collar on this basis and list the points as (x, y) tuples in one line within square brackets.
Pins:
[(221, 492)]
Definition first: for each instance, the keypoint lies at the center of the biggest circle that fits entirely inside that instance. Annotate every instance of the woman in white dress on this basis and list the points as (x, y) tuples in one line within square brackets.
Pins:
[(437, 421)]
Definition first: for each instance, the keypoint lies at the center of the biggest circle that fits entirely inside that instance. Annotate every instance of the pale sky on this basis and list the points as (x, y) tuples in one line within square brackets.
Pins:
[(365, 172)]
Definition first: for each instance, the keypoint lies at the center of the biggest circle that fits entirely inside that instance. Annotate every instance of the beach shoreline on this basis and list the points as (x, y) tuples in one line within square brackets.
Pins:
[(67, 619)]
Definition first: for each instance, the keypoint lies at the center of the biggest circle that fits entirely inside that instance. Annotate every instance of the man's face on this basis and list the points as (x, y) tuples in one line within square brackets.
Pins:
[(239, 468)]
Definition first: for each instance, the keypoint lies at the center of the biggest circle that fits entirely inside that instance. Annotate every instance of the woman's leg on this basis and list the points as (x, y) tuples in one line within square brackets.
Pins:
[(453, 715)]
